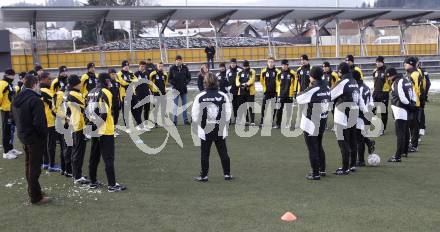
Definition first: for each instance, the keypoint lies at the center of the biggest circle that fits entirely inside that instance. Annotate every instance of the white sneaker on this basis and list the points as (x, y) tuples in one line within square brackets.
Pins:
[(16, 152), (9, 156), (139, 128), (422, 132), (128, 131)]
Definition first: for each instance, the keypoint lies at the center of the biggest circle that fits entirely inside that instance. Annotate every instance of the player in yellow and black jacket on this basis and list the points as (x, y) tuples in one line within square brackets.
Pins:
[(287, 84), (413, 75), (353, 68), (19, 85), (7, 93), (59, 89), (382, 88), (125, 78), (88, 80), (103, 141), (268, 81), (426, 84), (245, 82), (75, 112), (115, 89), (158, 85), (48, 102), (330, 76)]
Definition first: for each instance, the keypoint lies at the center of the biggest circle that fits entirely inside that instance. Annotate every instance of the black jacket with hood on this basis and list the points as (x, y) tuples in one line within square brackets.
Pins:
[(28, 112)]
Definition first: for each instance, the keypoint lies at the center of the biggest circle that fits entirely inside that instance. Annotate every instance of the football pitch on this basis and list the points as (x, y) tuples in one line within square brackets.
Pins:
[(270, 180)]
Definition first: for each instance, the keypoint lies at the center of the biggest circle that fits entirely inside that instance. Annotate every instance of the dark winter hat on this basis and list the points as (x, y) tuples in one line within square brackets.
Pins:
[(304, 57), (343, 68), (125, 63), (390, 72), (10, 72), (326, 64), (380, 59), (73, 80), (21, 75), (38, 68), (316, 72), (349, 58), (222, 65), (103, 77), (411, 60), (233, 60), (246, 63), (62, 69), (90, 65), (286, 62), (33, 72), (178, 57), (111, 70)]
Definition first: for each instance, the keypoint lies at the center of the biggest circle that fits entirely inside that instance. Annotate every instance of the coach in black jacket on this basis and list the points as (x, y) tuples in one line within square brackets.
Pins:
[(28, 112), (179, 78)]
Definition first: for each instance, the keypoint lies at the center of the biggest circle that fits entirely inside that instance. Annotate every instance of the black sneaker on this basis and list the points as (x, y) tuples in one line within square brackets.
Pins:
[(323, 173), (353, 169), (393, 159), (405, 155), (229, 177), (412, 149), (313, 177), (371, 147), (67, 174), (187, 123), (82, 181), (341, 172), (95, 185), (360, 163), (116, 188), (201, 178)]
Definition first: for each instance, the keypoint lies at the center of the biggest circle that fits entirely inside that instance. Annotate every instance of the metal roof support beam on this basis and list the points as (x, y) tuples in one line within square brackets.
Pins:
[(364, 23), (161, 26), (217, 25), (318, 26), (33, 31), (100, 37), (270, 27), (220, 21), (405, 23)]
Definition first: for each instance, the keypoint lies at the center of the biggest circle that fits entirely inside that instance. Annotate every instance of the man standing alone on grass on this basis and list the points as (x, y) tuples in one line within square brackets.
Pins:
[(28, 111), (210, 52)]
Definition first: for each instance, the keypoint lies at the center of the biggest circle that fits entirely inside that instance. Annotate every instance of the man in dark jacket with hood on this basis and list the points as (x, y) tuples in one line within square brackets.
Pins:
[(179, 78), (28, 111)]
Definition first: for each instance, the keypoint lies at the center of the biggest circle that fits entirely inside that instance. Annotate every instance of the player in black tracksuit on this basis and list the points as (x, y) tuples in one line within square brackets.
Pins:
[(245, 82), (142, 90), (402, 101), (364, 121), (304, 73), (346, 98), (211, 113), (231, 73), (116, 100), (287, 88), (316, 99), (268, 80), (223, 81), (382, 87)]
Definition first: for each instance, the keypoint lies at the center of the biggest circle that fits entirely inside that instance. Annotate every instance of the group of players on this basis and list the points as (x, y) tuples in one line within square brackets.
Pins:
[(67, 97), (318, 90)]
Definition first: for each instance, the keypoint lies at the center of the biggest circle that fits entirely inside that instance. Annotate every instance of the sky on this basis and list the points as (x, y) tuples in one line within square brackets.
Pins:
[(346, 3)]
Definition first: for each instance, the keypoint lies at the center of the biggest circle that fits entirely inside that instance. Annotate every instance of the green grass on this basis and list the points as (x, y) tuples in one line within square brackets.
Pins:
[(270, 172)]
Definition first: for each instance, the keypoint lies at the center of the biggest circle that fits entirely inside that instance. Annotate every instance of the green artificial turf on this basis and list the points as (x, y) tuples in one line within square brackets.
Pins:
[(270, 181)]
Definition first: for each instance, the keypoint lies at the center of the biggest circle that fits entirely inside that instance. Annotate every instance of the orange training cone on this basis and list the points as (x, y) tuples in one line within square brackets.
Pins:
[(289, 217)]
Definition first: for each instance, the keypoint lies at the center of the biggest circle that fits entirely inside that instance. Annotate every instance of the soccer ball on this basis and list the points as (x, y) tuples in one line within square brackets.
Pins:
[(373, 160)]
